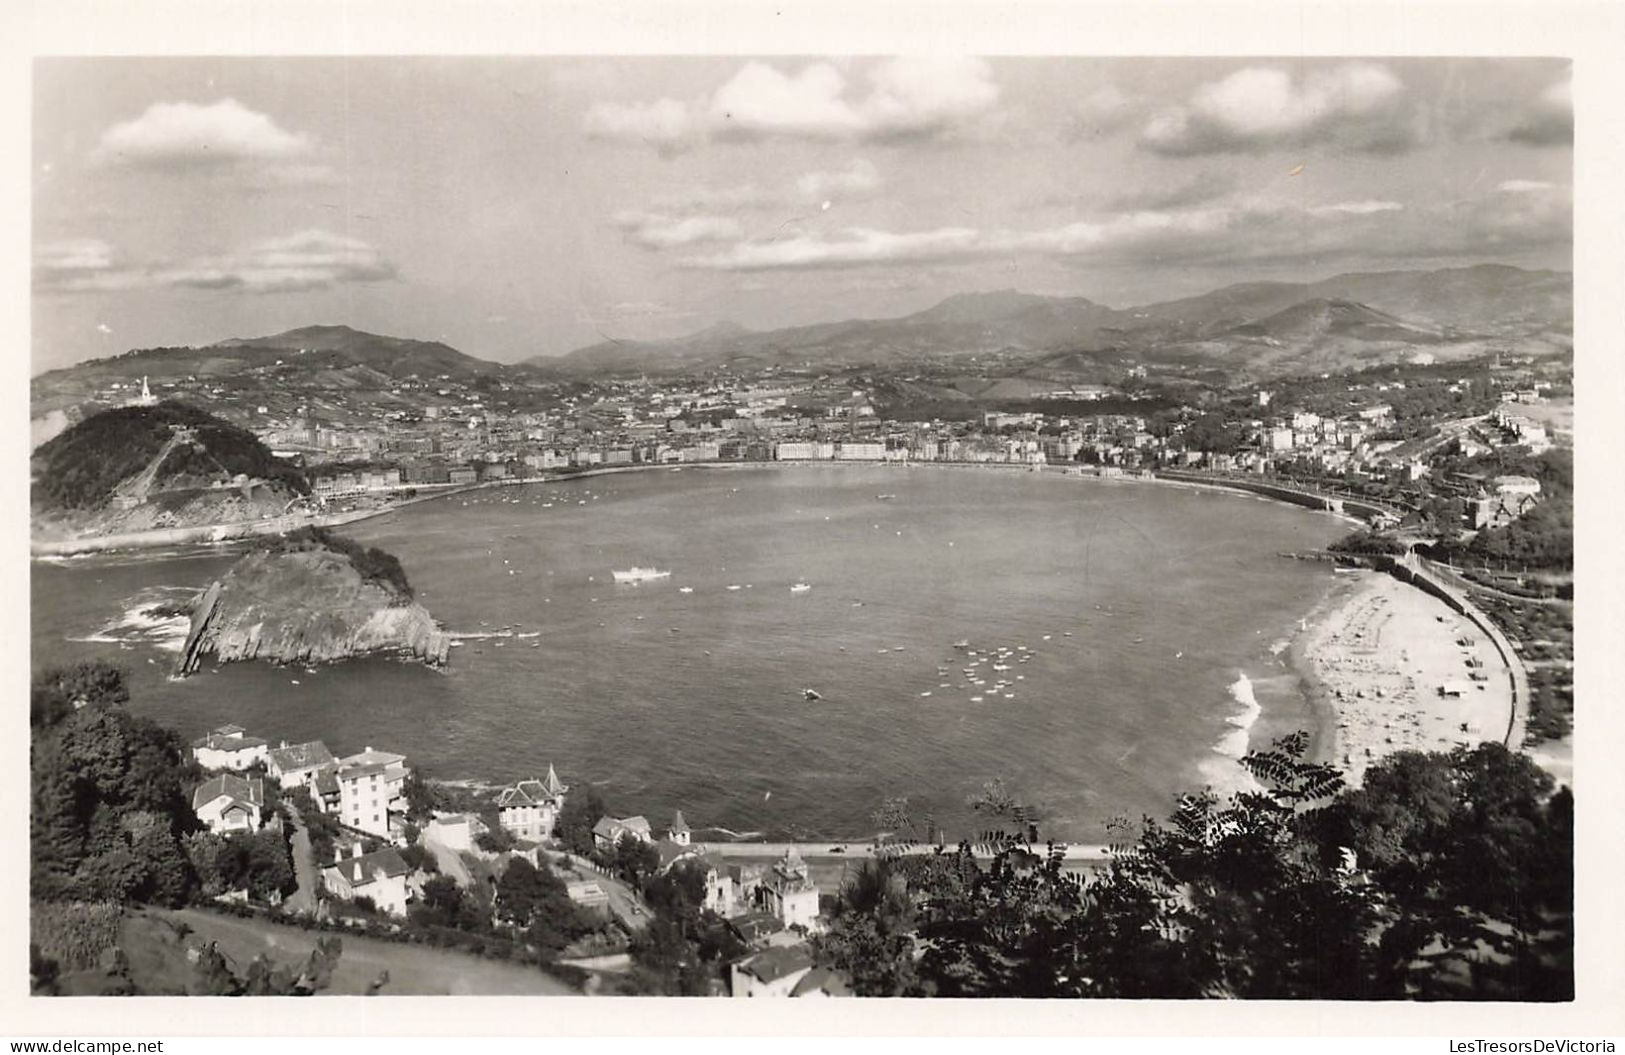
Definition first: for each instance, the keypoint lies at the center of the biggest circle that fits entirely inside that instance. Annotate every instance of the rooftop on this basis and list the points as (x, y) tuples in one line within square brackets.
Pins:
[(240, 789)]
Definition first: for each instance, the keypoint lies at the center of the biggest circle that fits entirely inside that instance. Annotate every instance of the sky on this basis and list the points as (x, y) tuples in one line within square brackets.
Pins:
[(514, 207)]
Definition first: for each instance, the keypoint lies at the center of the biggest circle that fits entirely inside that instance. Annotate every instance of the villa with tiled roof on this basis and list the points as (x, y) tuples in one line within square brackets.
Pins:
[(229, 803)]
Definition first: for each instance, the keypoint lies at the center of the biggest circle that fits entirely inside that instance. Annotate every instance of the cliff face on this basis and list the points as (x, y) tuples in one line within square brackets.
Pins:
[(310, 606)]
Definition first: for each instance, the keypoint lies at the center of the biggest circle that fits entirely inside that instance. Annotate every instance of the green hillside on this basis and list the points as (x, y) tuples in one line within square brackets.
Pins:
[(79, 469)]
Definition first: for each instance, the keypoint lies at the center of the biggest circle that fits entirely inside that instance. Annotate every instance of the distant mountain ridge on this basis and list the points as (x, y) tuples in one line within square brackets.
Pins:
[(1347, 320), (1360, 312)]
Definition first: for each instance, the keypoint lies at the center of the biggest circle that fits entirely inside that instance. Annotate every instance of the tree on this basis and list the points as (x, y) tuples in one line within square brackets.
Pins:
[(678, 893), (633, 859), (445, 905), (495, 840), (580, 812), (1445, 875), (57, 692)]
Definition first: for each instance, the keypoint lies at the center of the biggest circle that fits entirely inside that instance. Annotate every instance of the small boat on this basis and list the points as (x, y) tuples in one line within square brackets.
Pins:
[(685, 589), (811, 694), (735, 586), (885, 498), (800, 587), (925, 694), (962, 644), (637, 575)]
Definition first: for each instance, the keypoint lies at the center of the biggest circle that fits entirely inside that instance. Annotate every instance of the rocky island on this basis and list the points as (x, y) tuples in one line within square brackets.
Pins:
[(311, 597)]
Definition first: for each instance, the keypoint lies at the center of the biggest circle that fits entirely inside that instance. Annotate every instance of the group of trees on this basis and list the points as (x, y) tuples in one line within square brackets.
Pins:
[(110, 813), (370, 562), (108, 796), (1443, 876), (257, 862)]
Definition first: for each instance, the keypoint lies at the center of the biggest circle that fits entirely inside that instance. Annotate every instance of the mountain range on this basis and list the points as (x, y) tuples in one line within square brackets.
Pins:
[(1258, 328), (1271, 327)]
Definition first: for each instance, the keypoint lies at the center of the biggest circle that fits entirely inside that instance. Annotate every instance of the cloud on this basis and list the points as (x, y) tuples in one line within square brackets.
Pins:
[(1548, 120), (1193, 190), (1355, 208), (915, 97), (1358, 105), (312, 259), (665, 124), (852, 247), (857, 179), (1099, 113), (308, 260), (692, 199), (1488, 227), (1523, 186), (656, 231), (188, 134)]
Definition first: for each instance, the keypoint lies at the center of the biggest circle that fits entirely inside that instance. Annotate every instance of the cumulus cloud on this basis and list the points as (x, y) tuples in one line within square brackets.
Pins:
[(1484, 228), (911, 97), (1548, 120), (189, 134), (307, 260), (858, 178), (657, 231), (1357, 105)]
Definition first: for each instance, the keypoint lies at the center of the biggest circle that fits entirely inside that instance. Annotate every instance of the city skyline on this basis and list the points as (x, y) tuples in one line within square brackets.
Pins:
[(652, 197)]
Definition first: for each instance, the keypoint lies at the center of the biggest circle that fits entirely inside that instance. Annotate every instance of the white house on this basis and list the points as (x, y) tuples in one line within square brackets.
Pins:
[(457, 831), (530, 808), (229, 803), (380, 876), (228, 748), (609, 831), (371, 784), (788, 892), (297, 764)]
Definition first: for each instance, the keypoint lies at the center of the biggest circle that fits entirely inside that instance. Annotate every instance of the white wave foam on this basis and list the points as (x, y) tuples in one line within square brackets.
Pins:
[(1223, 772)]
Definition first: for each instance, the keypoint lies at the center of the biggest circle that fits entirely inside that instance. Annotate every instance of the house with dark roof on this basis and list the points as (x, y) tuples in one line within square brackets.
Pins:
[(229, 803), (610, 830), (755, 927), (296, 764), (530, 808), (229, 748), (380, 876), (771, 972), (822, 982)]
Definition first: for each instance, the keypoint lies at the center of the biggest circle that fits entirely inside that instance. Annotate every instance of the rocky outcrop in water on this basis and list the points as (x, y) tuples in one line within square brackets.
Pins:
[(306, 606)]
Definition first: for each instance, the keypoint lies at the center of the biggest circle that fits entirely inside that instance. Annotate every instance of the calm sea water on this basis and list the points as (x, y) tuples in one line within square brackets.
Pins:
[(1142, 608)]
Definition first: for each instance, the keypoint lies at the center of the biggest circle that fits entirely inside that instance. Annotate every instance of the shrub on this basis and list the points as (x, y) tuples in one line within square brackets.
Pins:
[(74, 934)]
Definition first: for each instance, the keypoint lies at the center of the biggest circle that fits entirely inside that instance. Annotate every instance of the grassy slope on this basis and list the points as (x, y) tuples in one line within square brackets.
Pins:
[(414, 970)]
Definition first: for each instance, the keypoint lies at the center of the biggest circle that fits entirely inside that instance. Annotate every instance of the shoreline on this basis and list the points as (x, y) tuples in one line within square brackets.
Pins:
[(1440, 688), (204, 536)]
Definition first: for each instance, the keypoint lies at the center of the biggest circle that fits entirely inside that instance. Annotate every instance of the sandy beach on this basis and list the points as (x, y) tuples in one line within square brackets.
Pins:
[(1377, 663)]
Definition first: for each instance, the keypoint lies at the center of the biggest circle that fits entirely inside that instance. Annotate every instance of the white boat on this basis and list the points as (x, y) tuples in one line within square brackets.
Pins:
[(800, 587), (635, 575), (685, 589)]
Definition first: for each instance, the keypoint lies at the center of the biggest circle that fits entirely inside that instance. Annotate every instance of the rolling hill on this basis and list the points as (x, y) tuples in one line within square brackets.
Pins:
[(1346, 320)]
